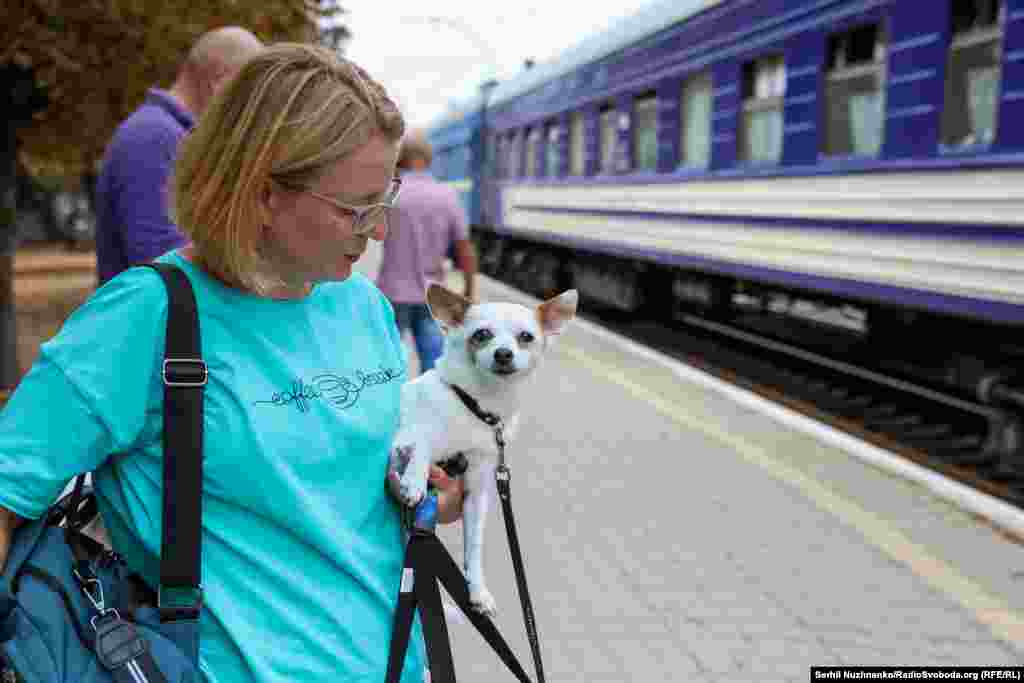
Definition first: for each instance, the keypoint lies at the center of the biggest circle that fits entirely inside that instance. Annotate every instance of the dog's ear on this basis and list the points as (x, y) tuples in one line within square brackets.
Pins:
[(555, 313), (447, 307)]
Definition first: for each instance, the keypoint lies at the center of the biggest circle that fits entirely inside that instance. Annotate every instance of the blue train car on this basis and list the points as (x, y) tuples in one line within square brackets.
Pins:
[(458, 155), (856, 154)]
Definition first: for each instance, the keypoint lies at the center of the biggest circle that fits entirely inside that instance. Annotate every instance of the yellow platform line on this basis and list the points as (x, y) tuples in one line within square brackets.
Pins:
[(1005, 624)]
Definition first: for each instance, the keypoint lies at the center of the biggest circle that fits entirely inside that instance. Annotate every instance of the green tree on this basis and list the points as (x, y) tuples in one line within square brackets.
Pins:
[(71, 70)]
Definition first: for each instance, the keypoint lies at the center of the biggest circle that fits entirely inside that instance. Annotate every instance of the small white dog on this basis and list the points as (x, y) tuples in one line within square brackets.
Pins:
[(490, 350)]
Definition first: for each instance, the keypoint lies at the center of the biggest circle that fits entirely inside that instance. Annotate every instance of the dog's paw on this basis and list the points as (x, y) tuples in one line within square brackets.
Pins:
[(411, 490), (482, 601)]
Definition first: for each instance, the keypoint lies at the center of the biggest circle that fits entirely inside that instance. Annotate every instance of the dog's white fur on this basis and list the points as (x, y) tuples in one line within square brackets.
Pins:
[(488, 352)]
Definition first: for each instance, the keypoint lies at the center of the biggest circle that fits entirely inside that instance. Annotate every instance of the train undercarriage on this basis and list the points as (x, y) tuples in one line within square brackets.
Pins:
[(976, 359)]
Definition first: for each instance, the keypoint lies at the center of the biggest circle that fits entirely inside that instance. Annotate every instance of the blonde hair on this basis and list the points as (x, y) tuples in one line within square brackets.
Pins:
[(415, 146), (292, 111)]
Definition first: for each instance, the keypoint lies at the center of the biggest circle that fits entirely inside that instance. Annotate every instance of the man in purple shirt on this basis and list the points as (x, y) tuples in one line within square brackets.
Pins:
[(133, 223), (427, 222)]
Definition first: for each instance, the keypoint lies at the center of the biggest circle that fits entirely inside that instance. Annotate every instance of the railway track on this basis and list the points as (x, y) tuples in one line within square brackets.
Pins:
[(975, 444), (839, 380)]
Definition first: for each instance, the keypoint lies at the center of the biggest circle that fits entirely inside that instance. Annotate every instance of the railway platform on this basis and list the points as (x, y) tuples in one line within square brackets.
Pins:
[(674, 530)]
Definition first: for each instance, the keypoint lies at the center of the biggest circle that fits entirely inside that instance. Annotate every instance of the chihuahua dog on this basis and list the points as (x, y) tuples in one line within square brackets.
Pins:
[(490, 351)]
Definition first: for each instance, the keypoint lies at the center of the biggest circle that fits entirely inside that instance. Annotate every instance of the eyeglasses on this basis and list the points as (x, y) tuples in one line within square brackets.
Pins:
[(364, 218)]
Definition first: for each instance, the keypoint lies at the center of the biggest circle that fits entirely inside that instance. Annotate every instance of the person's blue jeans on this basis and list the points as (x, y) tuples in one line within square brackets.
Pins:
[(425, 332)]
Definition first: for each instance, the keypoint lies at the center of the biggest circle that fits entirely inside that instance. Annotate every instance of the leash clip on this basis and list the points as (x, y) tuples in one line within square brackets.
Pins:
[(499, 440), (91, 588)]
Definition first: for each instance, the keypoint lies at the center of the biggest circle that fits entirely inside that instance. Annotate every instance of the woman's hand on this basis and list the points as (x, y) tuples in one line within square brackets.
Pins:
[(450, 493), (450, 490)]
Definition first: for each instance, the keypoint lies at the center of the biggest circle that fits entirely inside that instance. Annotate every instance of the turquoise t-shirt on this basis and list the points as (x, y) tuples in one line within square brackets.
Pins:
[(302, 546)]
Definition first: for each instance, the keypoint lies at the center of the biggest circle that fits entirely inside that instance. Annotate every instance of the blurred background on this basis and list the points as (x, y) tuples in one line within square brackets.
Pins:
[(817, 202), (841, 175), (431, 61), (70, 72)]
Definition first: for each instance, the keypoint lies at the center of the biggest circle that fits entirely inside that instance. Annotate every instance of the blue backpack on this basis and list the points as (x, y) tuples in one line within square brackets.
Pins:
[(70, 609)]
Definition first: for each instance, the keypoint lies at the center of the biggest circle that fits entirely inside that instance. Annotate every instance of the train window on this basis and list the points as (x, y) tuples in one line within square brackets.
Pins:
[(516, 154), (499, 156), (527, 153), (764, 85), (609, 135), (576, 144), (441, 164), (695, 121), (973, 73), (532, 142), (490, 155), (645, 132), (449, 160), (508, 145), (513, 165), (552, 157), (855, 92), (451, 163)]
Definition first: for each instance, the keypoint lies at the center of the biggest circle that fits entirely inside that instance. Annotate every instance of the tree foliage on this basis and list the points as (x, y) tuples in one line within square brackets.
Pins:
[(95, 59)]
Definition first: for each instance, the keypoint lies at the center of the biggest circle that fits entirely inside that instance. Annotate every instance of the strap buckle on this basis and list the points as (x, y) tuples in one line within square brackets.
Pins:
[(185, 372), (179, 602), (118, 643)]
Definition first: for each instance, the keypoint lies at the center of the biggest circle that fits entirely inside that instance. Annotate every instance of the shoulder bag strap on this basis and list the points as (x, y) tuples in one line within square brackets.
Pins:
[(184, 376)]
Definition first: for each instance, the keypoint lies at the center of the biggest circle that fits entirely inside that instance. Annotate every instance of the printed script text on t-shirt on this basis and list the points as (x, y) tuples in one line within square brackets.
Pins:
[(336, 390)]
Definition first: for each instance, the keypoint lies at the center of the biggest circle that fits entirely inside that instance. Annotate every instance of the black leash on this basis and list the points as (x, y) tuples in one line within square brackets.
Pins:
[(503, 479), (505, 493), (427, 561)]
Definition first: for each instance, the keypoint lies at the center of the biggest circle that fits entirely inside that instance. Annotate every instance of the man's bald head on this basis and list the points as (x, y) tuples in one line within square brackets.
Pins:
[(223, 48), (213, 60), (417, 152)]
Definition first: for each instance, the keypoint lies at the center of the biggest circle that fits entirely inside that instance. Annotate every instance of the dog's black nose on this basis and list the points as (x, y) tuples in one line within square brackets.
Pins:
[(503, 356)]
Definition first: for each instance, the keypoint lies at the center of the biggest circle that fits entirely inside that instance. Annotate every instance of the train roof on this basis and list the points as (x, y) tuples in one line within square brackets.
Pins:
[(647, 21)]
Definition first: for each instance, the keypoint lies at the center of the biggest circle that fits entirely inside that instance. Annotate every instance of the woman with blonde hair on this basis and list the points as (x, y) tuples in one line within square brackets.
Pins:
[(279, 187)]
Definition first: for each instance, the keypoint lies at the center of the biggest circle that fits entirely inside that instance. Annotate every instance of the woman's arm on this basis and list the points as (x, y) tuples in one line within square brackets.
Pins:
[(76, 406), (8, 523)]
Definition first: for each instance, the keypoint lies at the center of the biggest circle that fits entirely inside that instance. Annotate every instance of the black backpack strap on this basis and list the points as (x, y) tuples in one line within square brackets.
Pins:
[(184, 373)]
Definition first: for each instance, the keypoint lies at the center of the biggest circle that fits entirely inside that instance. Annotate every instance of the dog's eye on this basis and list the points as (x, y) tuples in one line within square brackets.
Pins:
[(525, 338), (482, 336)]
